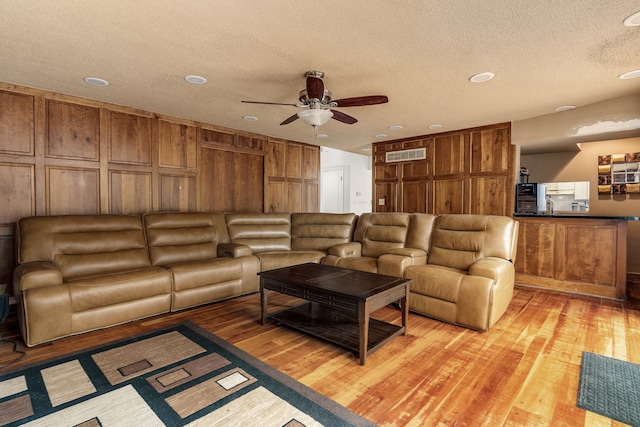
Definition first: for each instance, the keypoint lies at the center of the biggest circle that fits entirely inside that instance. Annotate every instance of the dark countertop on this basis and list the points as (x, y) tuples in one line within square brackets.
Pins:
[(582, 215)]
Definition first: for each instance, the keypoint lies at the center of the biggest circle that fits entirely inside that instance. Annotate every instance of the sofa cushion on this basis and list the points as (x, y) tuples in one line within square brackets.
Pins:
[(277, 259), (262, 232), (438, 282), (368, 264), (184, 236), (189, 275), (83, 245), (380, 232), (320, 231), (116, 288)]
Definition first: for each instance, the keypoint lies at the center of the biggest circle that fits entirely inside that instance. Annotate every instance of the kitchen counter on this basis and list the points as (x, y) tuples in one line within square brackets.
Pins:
[(584, 215), (579, 253)]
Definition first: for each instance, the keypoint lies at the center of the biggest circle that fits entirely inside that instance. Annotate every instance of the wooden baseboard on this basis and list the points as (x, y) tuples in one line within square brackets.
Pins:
[(633, 287)]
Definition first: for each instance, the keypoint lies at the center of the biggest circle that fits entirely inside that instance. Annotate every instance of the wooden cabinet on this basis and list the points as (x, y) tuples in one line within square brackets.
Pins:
[(467, 171), (586, 256)]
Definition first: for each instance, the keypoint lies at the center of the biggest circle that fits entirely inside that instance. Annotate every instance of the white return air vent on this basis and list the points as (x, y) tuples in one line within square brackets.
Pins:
[(406, 155)]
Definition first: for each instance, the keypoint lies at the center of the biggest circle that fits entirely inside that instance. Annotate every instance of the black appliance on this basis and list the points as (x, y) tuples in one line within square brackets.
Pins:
[(531, 198)]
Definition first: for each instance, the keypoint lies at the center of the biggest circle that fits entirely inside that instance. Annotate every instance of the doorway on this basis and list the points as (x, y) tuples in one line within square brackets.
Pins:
[(332, 190)]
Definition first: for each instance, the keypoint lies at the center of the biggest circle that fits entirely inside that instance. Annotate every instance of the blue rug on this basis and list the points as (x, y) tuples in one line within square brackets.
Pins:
[(177, 376), (610, 387)]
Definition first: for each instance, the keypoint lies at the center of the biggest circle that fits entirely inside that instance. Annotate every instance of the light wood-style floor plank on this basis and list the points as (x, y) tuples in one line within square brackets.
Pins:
[(523, 372)]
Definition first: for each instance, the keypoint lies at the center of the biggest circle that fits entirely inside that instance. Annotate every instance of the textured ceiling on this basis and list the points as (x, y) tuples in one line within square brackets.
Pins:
[(545, 53)]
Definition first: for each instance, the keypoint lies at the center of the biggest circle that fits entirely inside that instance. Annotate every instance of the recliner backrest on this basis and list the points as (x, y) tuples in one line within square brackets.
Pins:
[(320, 231), (262, 232), (83, 245), (381, 231), (175, 237), (420, 229), (459, 240)]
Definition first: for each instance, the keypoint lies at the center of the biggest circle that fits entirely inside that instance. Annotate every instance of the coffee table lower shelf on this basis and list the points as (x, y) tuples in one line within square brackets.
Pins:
[(336, 326)]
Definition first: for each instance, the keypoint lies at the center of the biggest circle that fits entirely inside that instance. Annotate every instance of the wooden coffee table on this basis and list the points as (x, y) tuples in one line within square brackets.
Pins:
[(339, 305)]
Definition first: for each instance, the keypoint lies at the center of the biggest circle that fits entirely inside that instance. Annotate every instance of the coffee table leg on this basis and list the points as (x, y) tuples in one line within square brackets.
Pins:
[(404, 306), (363, 320), (263, 301)]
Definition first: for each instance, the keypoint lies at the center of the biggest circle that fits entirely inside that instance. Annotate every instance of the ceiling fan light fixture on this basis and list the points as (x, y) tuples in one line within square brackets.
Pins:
[(482, 77), (196, 80), (96, 81), (565, 108), (315, 117)]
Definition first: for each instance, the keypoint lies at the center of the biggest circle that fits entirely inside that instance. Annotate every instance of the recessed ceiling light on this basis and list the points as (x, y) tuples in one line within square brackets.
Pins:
[(96, 81), (630, 75), (196, 80), (565, 107), (395, 127), (632, 20), (435, 126), (250, 118), (322, 136), (366, 149), (481, 77), (381, 135)]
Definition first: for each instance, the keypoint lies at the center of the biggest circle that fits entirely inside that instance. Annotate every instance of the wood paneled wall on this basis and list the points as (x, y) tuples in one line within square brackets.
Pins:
[(468, 171), (65, 155)]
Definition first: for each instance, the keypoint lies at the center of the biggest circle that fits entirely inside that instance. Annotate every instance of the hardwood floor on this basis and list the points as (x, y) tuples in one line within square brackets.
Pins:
[(523, 372)]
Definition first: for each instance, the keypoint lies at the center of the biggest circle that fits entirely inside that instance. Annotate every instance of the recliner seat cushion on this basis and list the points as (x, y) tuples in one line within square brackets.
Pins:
[(116, 288)]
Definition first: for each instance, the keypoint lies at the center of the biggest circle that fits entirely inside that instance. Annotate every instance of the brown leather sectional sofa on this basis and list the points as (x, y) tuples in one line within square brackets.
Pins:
[(78, 273)]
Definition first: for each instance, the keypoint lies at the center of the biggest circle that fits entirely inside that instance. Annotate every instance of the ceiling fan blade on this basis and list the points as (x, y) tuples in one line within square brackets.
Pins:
[(271, 103), (289, 120), (361, 100), (315, 87), (342, 117)]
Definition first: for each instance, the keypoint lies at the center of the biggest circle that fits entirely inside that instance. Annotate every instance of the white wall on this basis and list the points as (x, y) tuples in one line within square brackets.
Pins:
[(358, 182)]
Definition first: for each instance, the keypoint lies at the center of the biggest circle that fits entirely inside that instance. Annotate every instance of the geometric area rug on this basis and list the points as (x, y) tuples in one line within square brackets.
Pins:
[(610, 387), (176, 376)]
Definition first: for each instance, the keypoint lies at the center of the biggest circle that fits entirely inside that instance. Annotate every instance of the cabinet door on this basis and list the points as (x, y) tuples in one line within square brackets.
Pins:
[(489, 196), (385, 197), (415, 196), (582, 190), (449, 155), (448, 196)]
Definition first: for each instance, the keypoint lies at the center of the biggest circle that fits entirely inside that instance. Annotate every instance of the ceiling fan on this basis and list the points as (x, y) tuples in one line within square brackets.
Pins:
[(318, 105)]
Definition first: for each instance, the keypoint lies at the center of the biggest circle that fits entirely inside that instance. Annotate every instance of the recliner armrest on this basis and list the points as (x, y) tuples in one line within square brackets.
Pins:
[(233, 250), (493, 268), (397, 260), (346, 250), (408, 252), (35, 275)]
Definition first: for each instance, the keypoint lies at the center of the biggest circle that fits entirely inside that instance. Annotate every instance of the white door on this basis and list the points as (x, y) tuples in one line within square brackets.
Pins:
[(332, 190)]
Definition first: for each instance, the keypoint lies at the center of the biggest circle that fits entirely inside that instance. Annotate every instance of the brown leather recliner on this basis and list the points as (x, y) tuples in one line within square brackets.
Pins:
[(468, 279)]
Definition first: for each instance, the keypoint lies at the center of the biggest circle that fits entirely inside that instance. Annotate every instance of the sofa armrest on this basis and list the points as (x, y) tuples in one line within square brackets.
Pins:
[(498, 269), (233, 250), (395, 262), (409, 252), (346, 250), (35, 275)]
